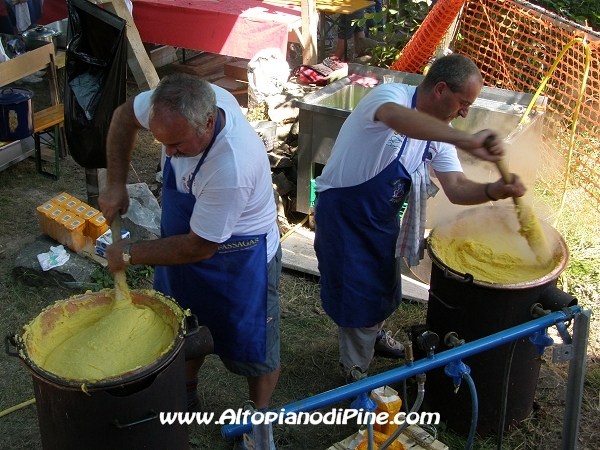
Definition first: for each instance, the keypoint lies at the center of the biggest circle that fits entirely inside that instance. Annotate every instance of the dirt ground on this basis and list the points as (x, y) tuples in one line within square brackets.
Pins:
[(309, 342)]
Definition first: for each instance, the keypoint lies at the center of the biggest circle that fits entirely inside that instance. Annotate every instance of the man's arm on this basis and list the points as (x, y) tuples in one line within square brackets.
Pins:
[(462, 191), (178, 249), (121, 138), (414, 124)]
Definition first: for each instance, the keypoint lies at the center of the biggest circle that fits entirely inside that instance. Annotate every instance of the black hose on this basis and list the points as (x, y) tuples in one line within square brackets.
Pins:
[(504, 402)]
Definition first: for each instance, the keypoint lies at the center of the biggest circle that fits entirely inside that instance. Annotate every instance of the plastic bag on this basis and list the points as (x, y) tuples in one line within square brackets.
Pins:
[(268, 71), (96, 75), (144, 209)]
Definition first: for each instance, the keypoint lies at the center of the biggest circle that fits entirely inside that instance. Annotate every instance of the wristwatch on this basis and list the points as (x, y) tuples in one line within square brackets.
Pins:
[(126, 255)]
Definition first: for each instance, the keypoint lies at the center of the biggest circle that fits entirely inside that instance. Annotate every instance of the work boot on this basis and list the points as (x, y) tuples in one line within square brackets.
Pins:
[(387, 346)]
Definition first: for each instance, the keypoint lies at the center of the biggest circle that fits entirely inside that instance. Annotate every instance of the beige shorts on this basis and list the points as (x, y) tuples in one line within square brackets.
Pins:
[(356, 346)]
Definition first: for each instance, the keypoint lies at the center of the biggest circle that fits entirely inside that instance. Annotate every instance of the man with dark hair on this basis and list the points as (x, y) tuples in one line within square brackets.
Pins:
[(384, 151), (219, 253)]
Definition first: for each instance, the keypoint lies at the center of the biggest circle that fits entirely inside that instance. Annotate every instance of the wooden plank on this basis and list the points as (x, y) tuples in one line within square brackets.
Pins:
[(237, 69), (203, 65), (142, 68), (25, 64), (162, 56), (231, 84), (299, 255), (309, 32), (48, 117)]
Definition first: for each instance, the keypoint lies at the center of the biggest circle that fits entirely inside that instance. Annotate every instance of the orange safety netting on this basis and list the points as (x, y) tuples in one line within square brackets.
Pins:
[(423, 43), (515, 45)]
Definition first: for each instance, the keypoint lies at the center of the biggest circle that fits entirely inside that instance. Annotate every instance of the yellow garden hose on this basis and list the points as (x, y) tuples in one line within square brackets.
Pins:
[(17, 407)]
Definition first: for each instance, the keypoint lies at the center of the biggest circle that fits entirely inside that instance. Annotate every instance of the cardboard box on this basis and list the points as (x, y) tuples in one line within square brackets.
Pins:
[(105, 240), (413, 438)]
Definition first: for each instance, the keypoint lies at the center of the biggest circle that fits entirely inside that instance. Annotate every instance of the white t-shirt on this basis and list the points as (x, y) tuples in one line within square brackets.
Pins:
[(234, 194), (365, 146)]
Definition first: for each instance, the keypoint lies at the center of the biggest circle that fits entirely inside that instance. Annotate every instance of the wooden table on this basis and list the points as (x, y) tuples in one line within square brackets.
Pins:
[(40, 56), (325, 8)]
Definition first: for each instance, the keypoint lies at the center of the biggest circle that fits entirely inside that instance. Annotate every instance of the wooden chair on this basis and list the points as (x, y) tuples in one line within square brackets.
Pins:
[(46, 128)]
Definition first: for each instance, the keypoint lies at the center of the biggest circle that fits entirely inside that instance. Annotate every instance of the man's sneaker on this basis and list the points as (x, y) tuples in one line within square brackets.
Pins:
[(387, 346), (261, 436), (355, 374)]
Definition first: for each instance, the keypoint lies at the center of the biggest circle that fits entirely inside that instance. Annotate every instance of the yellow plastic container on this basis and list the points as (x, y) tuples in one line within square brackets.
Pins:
[(43, 211)]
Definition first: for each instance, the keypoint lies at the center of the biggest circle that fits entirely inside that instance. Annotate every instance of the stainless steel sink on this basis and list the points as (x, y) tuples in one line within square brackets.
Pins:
[(346, 98), (322, 113)]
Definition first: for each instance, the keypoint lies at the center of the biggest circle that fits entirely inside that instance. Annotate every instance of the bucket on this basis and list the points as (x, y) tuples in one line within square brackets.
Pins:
[(116, 412), (16, 114), (475, 309)]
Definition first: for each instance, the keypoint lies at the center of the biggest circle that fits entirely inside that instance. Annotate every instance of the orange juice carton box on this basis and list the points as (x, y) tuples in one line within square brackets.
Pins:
[(60, 223), (43, 212), (96, 227), (388, 401), (72, 204), (75, 238), (53, 227), (61, 199)]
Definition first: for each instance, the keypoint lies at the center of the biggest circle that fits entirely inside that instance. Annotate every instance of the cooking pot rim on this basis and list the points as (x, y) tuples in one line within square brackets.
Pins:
[(41, 31), (126, 378), (553, 274)]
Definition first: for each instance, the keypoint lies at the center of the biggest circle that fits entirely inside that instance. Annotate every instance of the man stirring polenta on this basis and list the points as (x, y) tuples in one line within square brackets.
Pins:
[(219, 251), (384, 150)]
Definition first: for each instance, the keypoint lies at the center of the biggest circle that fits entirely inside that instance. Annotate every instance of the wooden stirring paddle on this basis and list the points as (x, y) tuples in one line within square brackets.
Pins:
[(122, 294), (531, 229)]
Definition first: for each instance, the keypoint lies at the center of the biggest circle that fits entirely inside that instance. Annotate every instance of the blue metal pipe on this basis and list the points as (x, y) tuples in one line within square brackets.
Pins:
[(423, 365)]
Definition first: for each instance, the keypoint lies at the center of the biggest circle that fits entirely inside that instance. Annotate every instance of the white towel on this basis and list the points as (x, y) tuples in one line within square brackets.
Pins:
[(3, 55), (22, 16), (412, 228)]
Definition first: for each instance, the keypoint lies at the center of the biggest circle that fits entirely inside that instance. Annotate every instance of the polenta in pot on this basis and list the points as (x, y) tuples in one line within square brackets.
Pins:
[(90, 339), (490, 248)]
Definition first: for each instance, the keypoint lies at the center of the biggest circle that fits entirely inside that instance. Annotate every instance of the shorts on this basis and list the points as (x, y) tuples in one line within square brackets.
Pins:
[(347, 33), (357, 346), (272, 361)]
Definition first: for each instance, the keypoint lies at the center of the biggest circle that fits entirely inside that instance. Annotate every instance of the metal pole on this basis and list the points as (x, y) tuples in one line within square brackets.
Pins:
[(423, 365), (581, 331)]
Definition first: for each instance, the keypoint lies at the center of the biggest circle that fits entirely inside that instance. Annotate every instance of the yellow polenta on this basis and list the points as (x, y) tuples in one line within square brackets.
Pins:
[(97, 342), (488, 248)]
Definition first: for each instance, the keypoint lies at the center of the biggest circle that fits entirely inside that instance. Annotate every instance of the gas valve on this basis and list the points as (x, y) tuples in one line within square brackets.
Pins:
[(428, 341), (541, 339), (455, 371)]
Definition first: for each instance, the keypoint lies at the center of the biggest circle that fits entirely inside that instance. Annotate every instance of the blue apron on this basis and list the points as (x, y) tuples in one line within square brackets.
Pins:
[(355, 243), (228, 292)]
